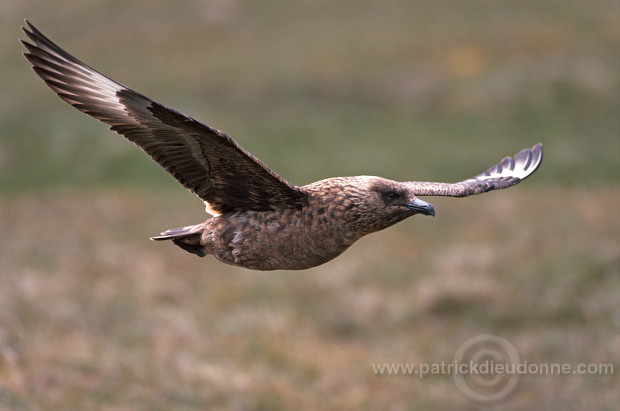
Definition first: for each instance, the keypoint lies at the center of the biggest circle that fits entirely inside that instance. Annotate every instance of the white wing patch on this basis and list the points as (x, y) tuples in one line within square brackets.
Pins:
[(209, 209), (519, 167)]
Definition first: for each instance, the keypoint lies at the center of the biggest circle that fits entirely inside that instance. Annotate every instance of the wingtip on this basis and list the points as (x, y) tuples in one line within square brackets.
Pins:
[(520, 166), (27, 28), (536, 148), (31, 32), (529, 159), (537, 156)]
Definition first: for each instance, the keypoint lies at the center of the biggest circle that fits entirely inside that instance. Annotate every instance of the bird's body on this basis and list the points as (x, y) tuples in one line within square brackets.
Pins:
[(333, 215), (260, 221), (269, 240)]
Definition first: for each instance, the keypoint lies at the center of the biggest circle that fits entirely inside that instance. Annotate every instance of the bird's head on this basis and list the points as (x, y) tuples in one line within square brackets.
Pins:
[(368, 204)]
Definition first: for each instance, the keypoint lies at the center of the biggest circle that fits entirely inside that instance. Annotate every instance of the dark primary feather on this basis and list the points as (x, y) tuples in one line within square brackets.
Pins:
[(509, 172), (203, 159)]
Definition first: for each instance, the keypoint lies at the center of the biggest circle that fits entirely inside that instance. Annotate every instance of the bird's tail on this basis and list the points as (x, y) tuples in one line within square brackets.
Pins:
[(188, 238)]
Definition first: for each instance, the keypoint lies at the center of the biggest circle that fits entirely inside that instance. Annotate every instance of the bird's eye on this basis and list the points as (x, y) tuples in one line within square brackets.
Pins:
[(392, 195)]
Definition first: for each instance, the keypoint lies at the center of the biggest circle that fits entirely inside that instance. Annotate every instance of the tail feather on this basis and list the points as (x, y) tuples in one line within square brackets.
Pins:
[(179, 232), (188, 238)]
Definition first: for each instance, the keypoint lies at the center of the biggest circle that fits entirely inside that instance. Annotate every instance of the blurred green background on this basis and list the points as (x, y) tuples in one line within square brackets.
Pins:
[(94, 316)]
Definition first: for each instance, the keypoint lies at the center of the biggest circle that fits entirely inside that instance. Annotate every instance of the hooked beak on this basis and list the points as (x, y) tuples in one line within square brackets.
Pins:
[(421, 207)]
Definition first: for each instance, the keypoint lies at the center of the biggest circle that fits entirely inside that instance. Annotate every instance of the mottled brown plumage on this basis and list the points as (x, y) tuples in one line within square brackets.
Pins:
[(260, 221)]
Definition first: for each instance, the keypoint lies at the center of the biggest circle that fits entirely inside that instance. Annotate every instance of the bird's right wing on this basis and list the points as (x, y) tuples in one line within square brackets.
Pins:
[(509, 172), (203, 159)]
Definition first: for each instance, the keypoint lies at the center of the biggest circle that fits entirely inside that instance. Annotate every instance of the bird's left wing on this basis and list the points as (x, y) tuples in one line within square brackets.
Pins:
[(509, 172), (204, 160)]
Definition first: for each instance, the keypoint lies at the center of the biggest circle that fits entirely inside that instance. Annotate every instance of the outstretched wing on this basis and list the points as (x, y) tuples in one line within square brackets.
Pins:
[(206, 161), (509, 172)]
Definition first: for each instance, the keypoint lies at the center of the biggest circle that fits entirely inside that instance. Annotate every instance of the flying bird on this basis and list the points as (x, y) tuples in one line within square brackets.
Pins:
[(259, 220)]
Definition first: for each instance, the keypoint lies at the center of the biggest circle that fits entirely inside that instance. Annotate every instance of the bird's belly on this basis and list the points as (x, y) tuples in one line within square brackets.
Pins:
[(273, 241)]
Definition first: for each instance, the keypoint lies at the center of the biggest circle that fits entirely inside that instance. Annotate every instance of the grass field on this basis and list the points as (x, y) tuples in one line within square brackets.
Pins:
[(93, 315)]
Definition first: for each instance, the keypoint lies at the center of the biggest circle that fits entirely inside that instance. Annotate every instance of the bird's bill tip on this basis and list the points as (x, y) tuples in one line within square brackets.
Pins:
[(421, 207)]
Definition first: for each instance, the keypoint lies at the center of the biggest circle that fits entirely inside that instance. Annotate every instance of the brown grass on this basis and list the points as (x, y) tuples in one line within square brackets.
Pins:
[(95, 316)]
